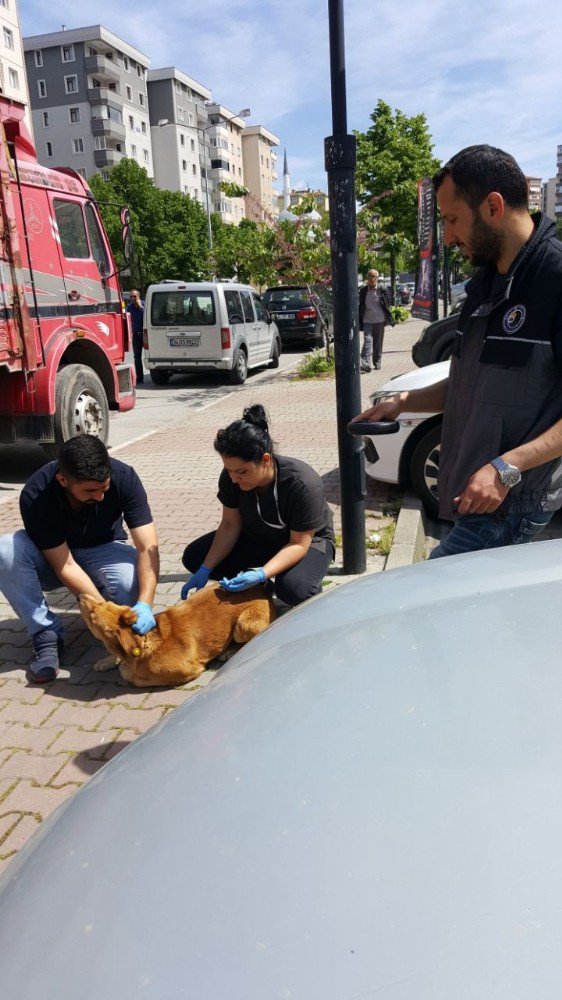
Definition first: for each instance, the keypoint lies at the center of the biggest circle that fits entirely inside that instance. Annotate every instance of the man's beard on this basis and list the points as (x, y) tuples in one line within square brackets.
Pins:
[(486, 245)]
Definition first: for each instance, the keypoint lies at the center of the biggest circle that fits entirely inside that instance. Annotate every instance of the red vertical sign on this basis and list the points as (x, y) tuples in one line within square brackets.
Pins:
[(424, 305)]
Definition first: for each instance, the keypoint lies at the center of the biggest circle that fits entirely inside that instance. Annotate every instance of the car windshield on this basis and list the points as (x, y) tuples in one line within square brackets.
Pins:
[(286, 297), (182, 308)]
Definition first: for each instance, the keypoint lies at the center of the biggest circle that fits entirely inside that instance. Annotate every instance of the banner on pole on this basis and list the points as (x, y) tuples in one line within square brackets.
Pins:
[(424, 305)]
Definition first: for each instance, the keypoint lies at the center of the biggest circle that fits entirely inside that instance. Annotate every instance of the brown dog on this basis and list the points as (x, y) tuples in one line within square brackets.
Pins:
[(186, 638)]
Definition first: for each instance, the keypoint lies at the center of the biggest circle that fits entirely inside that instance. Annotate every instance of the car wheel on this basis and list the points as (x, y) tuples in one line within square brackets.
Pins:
[(424, 466), (275, 352), (320, 338), (159, 376), (239, 372)]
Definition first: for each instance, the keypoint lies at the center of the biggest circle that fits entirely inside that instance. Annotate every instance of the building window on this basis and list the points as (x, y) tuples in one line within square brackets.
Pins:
[(139, 70), (99, 142), (131, 122), (81, 171), (141, 100), (4, 3), (13, 78), (192, 145), (145, 155), (129, 94), (77, 145), (38, 56), (194, 169), (42, 88), (143, 128), (49, 148), (71, 84), (184, 164), (74, 115), (182, 139), (134, 152), (46, 121), (104, 175), (67, 53), (8, 38), (126, 66)]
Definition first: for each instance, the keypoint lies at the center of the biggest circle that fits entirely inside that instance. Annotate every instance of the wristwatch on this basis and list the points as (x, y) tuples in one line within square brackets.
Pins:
[(508, 475)]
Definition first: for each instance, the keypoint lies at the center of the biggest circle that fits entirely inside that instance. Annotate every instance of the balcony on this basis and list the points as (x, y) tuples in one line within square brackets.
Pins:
[(107, 157), (101, 95), (103, 67), (109, 128)]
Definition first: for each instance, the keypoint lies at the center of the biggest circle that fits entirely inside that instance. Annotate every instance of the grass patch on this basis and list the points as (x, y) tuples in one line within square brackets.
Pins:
[(381, 541), (316, 365)]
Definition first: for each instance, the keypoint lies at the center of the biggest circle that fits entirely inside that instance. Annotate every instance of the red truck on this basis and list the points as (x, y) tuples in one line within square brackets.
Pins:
[(64, 329)]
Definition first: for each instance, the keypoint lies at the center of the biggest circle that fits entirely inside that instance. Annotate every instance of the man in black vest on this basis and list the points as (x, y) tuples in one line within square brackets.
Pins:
[(500, 476)]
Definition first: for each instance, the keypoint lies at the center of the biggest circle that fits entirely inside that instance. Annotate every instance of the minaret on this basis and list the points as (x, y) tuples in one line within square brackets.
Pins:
[(286, 183)]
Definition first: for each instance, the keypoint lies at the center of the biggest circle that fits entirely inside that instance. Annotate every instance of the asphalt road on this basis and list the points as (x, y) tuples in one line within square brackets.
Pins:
[(156, 407)]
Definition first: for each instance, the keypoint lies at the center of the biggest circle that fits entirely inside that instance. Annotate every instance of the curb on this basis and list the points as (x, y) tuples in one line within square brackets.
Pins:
[(409, 544)]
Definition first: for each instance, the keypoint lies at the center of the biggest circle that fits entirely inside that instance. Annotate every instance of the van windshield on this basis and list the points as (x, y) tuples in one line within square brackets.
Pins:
[(176, 308)]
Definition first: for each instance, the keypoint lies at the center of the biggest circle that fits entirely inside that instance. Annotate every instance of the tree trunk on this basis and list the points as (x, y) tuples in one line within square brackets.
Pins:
[(392, 277)]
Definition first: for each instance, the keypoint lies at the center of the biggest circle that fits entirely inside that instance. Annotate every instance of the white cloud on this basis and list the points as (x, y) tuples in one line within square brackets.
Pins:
[(482, 72)]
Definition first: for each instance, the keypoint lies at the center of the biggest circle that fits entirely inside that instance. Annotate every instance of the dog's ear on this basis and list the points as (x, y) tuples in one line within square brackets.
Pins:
[(127, 616)]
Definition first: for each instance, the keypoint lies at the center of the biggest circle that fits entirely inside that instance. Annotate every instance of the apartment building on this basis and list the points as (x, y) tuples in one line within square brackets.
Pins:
[(534, 187), (296, 196), (89, 99), (558, 201), (549, 197), (225, 142), (260, 171), (13, 81), (180, 136)]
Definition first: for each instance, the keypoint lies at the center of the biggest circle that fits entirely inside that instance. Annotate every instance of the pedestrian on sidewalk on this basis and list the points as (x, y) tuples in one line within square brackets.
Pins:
[(374, 314), (136, 312), (274, 518), (500, 470), (72, 510)]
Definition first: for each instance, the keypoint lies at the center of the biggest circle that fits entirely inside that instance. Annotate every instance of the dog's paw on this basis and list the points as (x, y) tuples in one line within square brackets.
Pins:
[(106, 663)]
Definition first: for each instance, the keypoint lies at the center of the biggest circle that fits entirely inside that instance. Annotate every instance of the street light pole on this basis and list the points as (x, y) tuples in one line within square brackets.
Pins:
[(339, 151)]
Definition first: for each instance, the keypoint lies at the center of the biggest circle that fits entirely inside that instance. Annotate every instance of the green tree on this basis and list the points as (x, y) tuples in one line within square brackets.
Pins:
[(392, 155), (169, 228)]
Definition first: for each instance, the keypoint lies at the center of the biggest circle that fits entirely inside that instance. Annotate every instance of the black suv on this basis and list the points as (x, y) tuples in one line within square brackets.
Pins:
[(300, 314)]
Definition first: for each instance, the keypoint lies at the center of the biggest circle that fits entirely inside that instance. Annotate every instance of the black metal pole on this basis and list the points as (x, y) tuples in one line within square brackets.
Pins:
[(339, 152)]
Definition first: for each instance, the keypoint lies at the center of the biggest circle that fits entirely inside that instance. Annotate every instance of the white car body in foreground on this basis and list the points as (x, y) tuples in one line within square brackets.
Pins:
[(388, 457), (364, 805)]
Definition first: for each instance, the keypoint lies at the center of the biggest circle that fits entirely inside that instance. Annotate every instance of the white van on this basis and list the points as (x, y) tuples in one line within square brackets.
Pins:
[(207, 326)]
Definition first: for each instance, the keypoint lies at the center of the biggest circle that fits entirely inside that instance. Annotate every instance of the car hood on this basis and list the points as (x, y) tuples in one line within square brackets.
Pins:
[(365, 801), (418, 378)]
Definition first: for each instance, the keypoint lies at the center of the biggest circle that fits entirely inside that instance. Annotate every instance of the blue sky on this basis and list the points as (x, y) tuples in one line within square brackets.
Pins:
[(482, 71)]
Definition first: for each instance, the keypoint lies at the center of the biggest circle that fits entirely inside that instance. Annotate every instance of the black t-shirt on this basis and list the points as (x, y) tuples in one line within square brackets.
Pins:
[(294, 502), (50, 520)]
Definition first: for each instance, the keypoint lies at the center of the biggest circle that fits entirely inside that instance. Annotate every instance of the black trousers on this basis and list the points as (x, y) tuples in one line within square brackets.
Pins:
[(137, 351), (293, 586)]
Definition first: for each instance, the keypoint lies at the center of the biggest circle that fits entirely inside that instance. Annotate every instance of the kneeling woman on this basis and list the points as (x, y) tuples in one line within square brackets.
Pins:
[(274, 518)]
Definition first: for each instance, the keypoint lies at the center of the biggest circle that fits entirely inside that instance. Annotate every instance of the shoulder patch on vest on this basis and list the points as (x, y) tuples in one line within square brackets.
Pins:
[(514, 318)]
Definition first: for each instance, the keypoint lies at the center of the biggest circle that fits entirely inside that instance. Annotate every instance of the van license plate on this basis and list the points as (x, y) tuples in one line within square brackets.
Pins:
[(184, 341)]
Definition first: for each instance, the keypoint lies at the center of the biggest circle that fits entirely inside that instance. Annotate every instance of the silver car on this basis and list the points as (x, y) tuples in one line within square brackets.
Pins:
[(364, 803)]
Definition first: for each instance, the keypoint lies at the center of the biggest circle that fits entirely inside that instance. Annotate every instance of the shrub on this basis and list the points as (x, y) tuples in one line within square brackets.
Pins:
[(399, 314), (316, 364)]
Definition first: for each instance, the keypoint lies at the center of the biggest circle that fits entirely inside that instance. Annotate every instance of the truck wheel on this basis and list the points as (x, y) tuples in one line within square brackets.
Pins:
[(81, 406), (159, 376), (424, 466), (239, 372)]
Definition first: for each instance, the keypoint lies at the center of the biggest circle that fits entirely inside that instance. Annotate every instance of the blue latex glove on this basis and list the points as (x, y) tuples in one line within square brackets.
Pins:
[(250, 578), (196, 582), (145, 619)]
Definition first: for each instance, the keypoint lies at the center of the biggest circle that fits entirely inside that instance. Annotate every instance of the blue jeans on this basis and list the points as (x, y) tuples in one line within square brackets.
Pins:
[(25, 574), (473, 532)]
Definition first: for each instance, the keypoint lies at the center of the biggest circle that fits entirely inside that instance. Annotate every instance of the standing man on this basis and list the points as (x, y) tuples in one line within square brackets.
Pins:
[(500, 476), (73, 511), (136, 312), (374, 314)]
